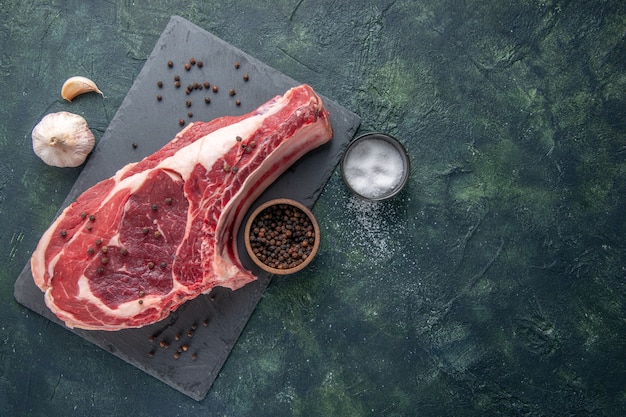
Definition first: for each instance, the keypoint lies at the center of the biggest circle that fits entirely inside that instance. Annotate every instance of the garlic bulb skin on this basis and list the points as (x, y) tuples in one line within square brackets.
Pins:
[(63, 139)]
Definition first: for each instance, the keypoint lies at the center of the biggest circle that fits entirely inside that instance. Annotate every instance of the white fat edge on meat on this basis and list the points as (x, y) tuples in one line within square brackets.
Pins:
[(306, 138), (208, 149), (305, 135), (38, 259)]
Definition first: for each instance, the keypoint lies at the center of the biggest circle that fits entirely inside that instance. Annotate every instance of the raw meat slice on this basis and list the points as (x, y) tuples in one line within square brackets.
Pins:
[(136, 246)]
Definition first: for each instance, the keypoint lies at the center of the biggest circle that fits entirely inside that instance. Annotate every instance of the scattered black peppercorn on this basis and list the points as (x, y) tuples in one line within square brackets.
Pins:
[(170, 64), (177, 84), (192, 61), (237, 65), (181, 121), (207, 85), (215, 89), (246, 77), (159, 97), (160, 84), (134, 145), (188, 103), (190, 114), (238, 102), (168, 201), (200, 64), (63, 233), (187, 66), (232, 92), (207, 100), (176, 77)]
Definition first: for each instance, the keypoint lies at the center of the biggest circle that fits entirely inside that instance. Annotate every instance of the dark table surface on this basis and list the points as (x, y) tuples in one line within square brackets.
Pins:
[(494, 284)]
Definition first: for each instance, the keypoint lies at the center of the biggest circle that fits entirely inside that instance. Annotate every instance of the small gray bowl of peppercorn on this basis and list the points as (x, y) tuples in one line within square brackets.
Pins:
[(282, 236)]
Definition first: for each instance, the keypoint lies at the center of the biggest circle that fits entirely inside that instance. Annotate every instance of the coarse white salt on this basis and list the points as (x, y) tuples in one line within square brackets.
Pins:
[(374, 168)]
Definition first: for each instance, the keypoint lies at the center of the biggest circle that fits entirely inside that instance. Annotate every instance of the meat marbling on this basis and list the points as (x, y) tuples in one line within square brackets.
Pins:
[(162, 231)]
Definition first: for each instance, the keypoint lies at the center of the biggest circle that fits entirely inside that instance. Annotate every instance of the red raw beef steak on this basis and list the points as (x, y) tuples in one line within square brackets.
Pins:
[(136, 246)]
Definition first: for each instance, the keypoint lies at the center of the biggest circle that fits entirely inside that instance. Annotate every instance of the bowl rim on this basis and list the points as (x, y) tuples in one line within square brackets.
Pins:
[(316, 231), (397, 145)]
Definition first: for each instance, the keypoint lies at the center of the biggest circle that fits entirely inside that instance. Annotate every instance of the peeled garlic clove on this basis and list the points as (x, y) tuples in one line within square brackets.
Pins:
[(63, 139), (78, 85)]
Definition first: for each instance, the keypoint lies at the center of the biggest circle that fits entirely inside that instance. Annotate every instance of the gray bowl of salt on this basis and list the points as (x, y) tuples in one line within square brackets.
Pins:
[(375, 166)]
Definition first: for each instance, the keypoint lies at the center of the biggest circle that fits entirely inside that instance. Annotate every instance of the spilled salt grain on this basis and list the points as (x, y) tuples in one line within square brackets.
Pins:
[(374, 168), (371, 229)]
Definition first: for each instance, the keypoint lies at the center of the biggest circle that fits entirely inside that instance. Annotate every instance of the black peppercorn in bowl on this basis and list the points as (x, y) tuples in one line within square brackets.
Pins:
[(282, 236)]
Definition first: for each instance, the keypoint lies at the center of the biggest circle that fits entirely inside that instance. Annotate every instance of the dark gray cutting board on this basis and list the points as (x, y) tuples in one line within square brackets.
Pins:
[(216, 319)]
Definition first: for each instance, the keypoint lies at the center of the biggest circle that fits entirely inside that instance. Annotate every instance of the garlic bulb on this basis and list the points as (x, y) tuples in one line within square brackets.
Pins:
[(63, 139)]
